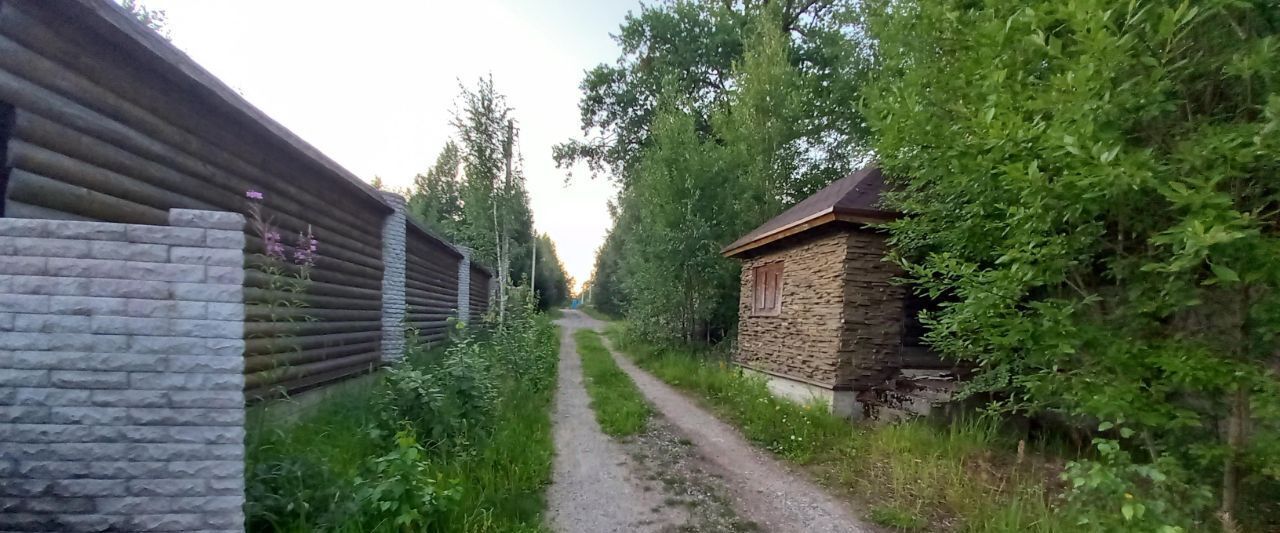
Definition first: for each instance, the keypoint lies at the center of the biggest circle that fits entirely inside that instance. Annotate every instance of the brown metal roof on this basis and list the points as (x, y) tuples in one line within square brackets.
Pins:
[(853, 198)]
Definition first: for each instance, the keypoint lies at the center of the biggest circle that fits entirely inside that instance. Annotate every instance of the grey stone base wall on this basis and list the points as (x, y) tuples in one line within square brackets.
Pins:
[(121, 374)]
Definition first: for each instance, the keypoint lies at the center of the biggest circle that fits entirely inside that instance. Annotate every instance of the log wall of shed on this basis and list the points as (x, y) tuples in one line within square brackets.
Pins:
[(110, 123)]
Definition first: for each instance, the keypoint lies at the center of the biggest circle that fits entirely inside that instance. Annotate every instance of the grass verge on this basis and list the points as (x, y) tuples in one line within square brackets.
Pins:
[(911, 476), (598, 314), (619, 406), (339, 468)]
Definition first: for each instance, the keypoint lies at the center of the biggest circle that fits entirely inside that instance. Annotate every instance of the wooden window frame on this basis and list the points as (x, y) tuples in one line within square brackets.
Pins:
[(766, 289)]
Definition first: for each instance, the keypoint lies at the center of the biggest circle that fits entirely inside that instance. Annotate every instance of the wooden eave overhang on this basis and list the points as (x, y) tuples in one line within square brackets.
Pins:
[(831, 215)]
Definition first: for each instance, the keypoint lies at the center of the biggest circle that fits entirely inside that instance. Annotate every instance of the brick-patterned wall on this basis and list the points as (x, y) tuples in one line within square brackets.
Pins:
[(872, 335), (801, 342), (121, 360), (393, 271), (464, 285)]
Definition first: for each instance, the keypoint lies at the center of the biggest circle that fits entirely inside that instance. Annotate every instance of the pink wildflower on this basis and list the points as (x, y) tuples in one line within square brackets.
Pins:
[(274, 247), (253, 195), (304, 254)]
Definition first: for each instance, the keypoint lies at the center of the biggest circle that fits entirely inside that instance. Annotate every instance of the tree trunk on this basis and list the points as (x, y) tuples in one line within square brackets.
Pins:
[(1230, 468), (1236, 424)]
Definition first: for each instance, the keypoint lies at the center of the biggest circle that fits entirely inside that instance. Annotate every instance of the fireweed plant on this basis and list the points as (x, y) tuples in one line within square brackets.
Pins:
[(285, 273)]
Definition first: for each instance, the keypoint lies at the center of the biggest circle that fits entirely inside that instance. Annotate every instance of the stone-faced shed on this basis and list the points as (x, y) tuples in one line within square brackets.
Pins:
[(819, 314)]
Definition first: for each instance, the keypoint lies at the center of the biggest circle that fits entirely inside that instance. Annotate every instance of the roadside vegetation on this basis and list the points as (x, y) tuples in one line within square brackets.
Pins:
[(620, 407), (1087, 191), (450, 440), (912, 476), (599, 314)]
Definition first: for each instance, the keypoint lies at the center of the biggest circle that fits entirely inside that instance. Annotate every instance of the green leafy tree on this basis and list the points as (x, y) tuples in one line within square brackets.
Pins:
[(475, 193), (688, 50), (605, 286), (551, 282), (715, 118), (436, 198), (481, 123), (676, 280), (1092, 188), (156, 19)]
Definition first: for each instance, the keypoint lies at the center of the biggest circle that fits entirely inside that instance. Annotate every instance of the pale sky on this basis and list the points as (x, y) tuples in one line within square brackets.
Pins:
[(372, 83)]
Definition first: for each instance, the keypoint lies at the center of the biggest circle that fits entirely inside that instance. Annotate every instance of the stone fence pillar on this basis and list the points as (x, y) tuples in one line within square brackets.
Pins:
[(121, 374), (464, 285), (393, 272)]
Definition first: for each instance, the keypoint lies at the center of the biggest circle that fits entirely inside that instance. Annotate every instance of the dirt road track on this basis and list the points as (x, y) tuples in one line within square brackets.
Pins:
[(760, 488)]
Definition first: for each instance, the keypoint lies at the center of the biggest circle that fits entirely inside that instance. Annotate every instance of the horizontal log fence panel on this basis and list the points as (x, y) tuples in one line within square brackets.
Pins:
[(431, 284), (109, 122), (120, 68), (274, 383), (16, 209), (102, 120), (479, 293), (50, 193)]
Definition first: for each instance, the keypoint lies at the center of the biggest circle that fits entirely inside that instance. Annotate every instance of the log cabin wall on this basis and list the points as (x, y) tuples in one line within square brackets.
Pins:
[(111, 123)]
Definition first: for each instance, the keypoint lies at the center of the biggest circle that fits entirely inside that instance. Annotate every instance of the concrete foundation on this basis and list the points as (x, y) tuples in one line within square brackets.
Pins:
[(842, 403)]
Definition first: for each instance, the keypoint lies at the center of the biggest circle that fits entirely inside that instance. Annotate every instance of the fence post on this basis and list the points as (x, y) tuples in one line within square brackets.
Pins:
[(464, 285), (393, 272), (124, 348)]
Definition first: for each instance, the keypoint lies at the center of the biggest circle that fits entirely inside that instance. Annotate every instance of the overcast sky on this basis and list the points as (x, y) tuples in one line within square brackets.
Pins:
[(372, 83)]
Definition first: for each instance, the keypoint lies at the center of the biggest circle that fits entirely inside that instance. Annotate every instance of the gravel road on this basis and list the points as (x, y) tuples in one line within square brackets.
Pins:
[(595, 488)]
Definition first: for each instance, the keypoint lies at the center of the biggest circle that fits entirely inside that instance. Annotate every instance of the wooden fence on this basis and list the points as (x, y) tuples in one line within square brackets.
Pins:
[(102, 119)]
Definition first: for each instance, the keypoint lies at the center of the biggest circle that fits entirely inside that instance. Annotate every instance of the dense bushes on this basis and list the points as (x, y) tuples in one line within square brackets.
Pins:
[(453, 397), (452, 440), (1091, 188)]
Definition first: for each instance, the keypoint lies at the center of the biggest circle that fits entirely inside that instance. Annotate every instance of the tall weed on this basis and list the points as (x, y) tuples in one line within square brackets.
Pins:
[(457, 440)]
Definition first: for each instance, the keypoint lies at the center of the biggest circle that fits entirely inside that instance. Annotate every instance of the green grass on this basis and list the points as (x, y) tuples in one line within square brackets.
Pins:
[(554, 313), (912, 476), (305, 465), (598, 314), (619, 406), (504, 486), (302, 476)]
